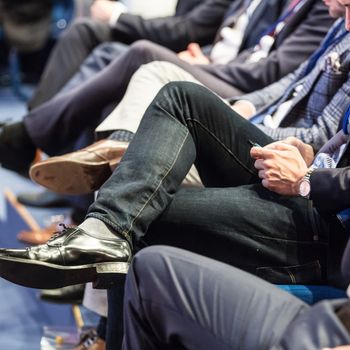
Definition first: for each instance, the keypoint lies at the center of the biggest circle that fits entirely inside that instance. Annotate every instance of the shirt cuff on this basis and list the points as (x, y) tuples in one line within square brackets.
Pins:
[(119, 8)]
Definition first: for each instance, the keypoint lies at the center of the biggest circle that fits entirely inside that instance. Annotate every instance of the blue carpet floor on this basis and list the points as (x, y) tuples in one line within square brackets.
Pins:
[(22, 314)]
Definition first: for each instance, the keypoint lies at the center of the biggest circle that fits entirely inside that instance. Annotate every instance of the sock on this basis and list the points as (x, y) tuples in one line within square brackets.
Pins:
[(121, 135), (98, 229), (17, 134), (16, 147)]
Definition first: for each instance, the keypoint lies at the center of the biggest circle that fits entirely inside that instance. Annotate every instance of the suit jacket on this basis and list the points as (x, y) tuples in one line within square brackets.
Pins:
[(318, 107), (185, 6), (199, 25), (266, 13), (295, 43), (330, 189)]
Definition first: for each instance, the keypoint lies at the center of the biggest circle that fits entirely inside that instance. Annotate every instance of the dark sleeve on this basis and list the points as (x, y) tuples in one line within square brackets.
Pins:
[(330, 189), (294, 50), (184, 6), (199, 25)]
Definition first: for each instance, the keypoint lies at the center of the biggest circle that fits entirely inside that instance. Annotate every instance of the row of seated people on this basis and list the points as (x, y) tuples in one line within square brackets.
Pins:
[(232, 163)]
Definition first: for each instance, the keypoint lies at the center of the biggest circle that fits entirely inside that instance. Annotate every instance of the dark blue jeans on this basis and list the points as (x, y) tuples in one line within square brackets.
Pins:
[(233, 219)]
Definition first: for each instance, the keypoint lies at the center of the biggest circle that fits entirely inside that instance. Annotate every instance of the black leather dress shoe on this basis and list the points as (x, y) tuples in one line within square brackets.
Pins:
[(66, 295), (70, 257)]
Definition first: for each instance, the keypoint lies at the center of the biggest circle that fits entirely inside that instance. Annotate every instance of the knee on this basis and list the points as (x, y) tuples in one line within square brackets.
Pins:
[(143, 48), (77, 26), (108, 50), (146, 260), (80, 28), (157, 71), (155, 67), (109, 47), (169, 71), (182, 89), (151, 263)]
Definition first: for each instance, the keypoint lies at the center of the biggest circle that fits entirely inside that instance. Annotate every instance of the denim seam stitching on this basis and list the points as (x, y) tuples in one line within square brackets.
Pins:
[(160, 182), (222, 145)]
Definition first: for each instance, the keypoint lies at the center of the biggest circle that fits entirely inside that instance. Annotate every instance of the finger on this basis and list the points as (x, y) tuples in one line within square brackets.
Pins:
[(262, 152), (271, 145), (262, 174), (195, 49), (259, 164), (291, 140), (256, 152), (265, 183), (191, 49), (282, 146)]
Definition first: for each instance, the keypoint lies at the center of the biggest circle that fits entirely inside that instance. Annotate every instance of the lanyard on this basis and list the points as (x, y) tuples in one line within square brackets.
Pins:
[(346, 121), (292, 8), (329, 42)]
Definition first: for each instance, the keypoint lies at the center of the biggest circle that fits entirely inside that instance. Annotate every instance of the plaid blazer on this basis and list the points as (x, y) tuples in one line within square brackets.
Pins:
[(321, 99)]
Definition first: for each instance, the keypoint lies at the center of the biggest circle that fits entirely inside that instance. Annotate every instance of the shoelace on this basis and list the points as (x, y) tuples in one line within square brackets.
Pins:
[(59, 233)]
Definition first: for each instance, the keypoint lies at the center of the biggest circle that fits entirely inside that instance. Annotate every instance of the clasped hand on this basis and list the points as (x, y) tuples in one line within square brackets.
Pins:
[(193, 55), (282, 164)]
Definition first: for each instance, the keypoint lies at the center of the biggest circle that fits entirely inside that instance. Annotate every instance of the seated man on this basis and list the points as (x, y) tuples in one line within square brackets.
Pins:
[(289, 239), (55, 126), (178, 300), (66, 109), (84, 35), (308, 104), (302, 30)]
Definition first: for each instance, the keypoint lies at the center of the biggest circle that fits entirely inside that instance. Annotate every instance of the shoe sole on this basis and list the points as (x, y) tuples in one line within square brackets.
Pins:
[(41, 275), (70, 177)]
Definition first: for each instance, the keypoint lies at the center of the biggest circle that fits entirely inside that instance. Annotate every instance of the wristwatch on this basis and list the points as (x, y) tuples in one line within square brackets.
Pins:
[(304, 184)]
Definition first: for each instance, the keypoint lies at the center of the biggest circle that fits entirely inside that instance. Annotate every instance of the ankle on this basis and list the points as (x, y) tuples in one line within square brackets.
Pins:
[(98, 229)]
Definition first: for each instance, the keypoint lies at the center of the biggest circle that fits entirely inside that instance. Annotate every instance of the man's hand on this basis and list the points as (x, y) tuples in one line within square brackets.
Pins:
[(102, 10), (193, 55), (305, 150), (280, 166)]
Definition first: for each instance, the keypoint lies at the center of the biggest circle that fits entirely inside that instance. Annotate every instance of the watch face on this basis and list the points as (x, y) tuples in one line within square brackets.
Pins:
[(304, 188)]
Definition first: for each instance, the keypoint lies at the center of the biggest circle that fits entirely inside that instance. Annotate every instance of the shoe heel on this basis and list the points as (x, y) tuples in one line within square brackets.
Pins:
[(109, 275)]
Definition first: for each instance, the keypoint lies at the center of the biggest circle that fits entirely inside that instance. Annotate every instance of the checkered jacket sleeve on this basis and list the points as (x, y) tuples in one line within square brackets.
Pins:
[(268, 95), (326, 124)]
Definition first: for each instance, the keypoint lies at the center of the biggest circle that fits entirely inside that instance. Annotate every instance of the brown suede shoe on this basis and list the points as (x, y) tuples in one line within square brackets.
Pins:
[(82, 171)]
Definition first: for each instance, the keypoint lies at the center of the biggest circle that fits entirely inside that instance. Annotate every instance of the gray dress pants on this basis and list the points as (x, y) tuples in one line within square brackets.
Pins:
[(67, 115), (178, 300), (68, 54)]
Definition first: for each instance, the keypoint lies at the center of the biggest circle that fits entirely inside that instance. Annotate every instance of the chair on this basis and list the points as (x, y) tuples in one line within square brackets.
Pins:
[(313, 294)]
